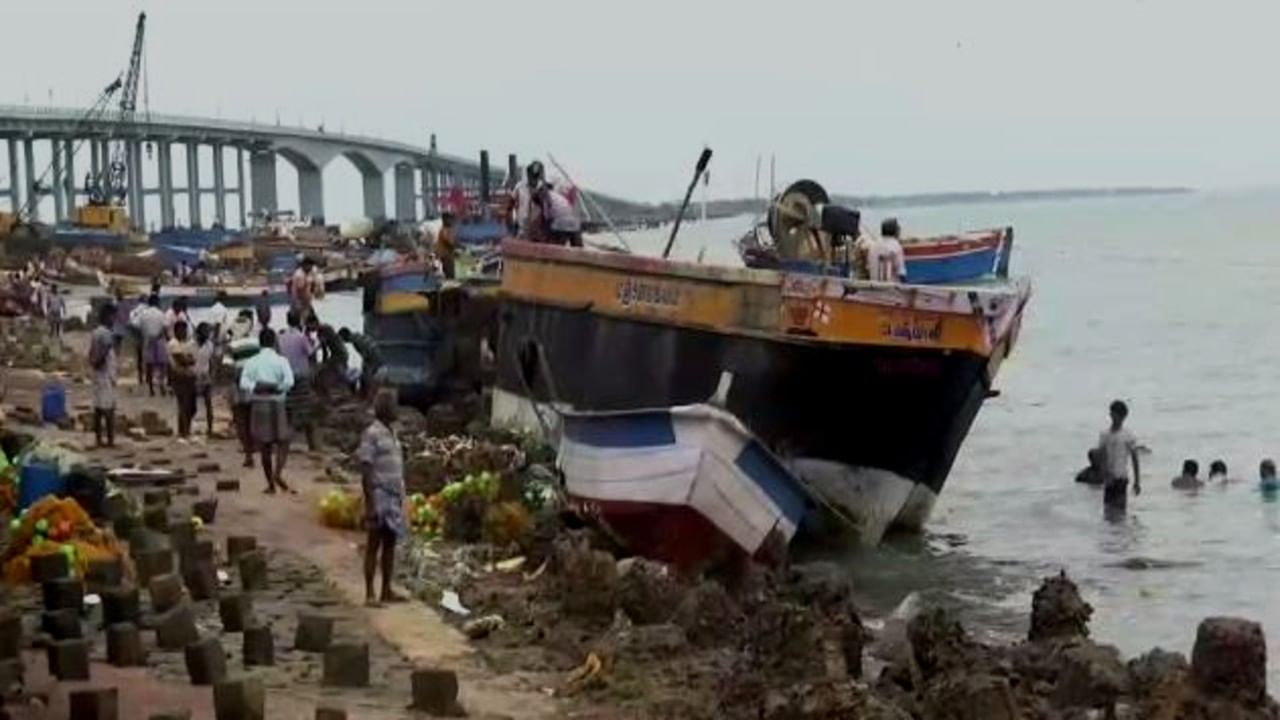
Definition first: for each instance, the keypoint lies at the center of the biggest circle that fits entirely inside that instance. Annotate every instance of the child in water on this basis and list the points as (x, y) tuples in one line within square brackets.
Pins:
[(1268, 482)]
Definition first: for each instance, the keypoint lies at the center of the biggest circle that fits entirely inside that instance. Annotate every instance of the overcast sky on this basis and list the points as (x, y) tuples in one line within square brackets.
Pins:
[(866, 96)]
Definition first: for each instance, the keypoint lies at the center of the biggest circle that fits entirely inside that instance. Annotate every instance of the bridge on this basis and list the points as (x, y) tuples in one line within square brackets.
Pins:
[(420, 175)]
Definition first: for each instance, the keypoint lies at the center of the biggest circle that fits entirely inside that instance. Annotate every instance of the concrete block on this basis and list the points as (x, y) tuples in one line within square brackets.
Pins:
[(328, 712), (236, 612), (189, 490), (49, 567), (151, 563), (69, 659), (156, 498), (238, 545), (346, 665), (12, 674), (166, 592), (243, 699), (435, 691), (104, 573), (10, 634), (228, 486), (121, 604), (125, 525), (200, 551), (208, 468), (201, 580), (253, 570), (144, 539), (206, 510), (124, 646), (62, 624), (65, 593), (156, 517), (172, 715), (94, 704), (115, 506), (259, 646), (182, 534), (206, 661), (176, 629), (314, 633)]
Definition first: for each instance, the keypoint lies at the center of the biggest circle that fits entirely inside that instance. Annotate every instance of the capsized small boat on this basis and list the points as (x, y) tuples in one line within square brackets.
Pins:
[(679, 484)]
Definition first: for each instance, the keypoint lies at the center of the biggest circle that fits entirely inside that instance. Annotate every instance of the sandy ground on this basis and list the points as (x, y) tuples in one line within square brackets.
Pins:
[(409, 634)]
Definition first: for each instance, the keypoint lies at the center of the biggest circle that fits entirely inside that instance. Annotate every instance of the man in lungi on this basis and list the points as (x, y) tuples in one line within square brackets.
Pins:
[(299, 349), (102, 358), (267, 379)]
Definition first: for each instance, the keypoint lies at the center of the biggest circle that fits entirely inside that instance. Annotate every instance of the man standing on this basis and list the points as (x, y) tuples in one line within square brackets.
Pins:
[(370, 358), (262, 306), (564, 225), (525, 215), (55, 311), (302, 288), (299, 349), (102, 358), (447, 246), (267, 379), (1120, 448), (885, 259), (155, 356)]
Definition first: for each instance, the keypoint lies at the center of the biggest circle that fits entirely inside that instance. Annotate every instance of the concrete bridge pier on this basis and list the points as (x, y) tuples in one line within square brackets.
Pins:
[(193, 185), (32, 195), (69, 174), (219, 186), (95, 159), (310, 191), (57, 184), (164, 151), (405, 193), (262, 169), (240, 185), (15, 195), (137, 185), (431, 191)]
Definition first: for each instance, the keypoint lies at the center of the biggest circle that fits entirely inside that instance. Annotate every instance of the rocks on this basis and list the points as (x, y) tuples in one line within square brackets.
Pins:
[(166, 592), (938, 643), (243, 699), (206, 661), (228, 486), (235, 611), (972, 697), (1229, 660), (587, 578), (1058, 611), (64, 593), (258, 646), (69, 659), (94, 704), (121, 605), (253, 570), (124, 646), (52, 566), (482, 627), (151, 563), (206, 510), (176, 629), (1155, 668), (1091, 676), (10, 634), (435, 691), (62, 624), (238, 545), (707, 614), (346, 665), (314, 633), (646, 591)]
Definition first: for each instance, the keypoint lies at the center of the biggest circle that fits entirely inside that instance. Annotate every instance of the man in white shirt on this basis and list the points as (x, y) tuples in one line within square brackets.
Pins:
[(217, 317), (267, 379), (1119, 448), (563, 221), (885, 259), (525, 211)]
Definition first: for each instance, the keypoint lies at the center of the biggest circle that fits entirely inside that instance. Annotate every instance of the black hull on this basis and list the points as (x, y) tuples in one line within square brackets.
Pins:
[(903, 410)]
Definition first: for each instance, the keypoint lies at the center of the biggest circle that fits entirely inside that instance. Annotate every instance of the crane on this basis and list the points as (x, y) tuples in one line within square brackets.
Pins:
[(110, 188)]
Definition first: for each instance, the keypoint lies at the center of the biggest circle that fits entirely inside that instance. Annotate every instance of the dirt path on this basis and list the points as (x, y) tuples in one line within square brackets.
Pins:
[(412, 633)]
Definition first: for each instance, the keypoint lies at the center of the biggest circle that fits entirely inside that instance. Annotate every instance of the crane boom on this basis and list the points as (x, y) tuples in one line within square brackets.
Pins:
[(117, 181)]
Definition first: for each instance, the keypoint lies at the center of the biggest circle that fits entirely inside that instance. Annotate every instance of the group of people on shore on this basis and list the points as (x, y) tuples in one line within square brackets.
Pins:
[(1117, 452)]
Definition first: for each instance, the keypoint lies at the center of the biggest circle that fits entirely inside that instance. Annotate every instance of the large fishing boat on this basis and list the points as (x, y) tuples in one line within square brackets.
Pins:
[(866, 390)]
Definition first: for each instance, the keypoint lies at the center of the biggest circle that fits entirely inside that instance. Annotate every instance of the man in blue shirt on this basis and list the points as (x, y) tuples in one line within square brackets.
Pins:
[(266, 379)]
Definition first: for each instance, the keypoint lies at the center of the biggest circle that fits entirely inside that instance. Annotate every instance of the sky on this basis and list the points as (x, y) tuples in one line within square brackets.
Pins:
[(865, 96)]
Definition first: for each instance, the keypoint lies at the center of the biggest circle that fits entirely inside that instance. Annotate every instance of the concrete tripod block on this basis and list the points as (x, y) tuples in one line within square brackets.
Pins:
[(346, 665), (65, 593), (166, 592), (253, 570), (94, 704), (242, 699), (435, 691), (236, 612), (69, 659), (121, 604), (206, 661), (314, 633), (259, 646), (124, 646), (176, 629)]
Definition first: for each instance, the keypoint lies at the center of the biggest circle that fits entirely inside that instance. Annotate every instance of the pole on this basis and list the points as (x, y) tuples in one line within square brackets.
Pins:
[(703, 159)]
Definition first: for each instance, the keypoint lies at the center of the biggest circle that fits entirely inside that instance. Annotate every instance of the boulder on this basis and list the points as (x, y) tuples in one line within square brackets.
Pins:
[(1058, 611), (238, 545), (971, 697), (647, 592), (206, 510), (104, 573), (150, 563), (1155, 668), (51, 566), (1090, 676), (1229, 660), (62, 624)]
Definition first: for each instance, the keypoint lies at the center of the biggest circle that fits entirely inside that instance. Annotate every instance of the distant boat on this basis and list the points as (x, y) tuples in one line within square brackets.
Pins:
[(679, 484)]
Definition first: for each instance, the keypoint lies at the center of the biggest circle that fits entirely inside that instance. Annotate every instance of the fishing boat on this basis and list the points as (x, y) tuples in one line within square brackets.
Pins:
[(679, 484), (866, 390)]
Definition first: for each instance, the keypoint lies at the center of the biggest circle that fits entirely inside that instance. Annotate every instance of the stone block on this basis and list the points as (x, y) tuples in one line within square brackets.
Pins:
[(166, 592), (242, 699), (62, 624), (1229, 660), (201, 580), (65, 593), (200, 551), (346, 665), (94, 704), (328, 712), (104, 573), (151, 563), (206, 510), (10, 634), (253, 570), (435, 691), (259, 646), (314, 633), (238, 545), (69, 659), (121, 604), (228, 486), (12, 674), (236, 611), (182, 534), (176, 629), (124, 646), (156, 517), (206, 661), (49, 567)]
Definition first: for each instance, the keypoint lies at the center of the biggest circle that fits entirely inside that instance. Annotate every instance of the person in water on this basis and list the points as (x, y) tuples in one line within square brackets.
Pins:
[(1267, 481), (1120, 448), (1218, 472), (1190, 477)]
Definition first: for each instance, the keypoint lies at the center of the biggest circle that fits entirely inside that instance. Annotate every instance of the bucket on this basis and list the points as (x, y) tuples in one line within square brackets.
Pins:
[(53, 403), (38, 480)]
